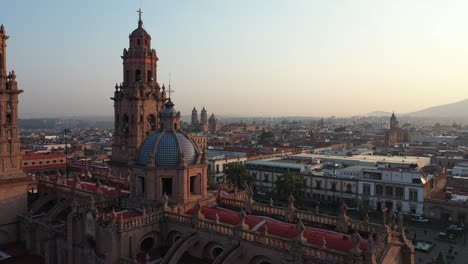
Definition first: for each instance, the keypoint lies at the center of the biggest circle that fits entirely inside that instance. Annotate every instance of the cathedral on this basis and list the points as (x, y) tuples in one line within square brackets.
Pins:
[(154, 206), (395, 134)]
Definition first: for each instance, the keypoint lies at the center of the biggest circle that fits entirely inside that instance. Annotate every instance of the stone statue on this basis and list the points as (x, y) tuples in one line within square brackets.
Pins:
[(165, 200), (356, 239), (242, 218), (300, 231), (342, 223)]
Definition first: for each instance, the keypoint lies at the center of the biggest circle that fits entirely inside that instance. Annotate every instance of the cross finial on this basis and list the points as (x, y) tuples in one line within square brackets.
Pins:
[(169, 90), (140, 23), (139, 13)]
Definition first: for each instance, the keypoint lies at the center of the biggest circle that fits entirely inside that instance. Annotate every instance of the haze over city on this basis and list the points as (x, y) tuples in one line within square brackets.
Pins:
[(252, 58)]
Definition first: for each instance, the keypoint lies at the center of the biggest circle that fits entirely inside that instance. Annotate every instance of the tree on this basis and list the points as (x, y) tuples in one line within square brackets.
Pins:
[(266, 137), (290, 183), (238, 174)]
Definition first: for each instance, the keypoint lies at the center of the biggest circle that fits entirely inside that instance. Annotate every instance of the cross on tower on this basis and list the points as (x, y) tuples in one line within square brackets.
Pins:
[(139, 14), (169, 90)]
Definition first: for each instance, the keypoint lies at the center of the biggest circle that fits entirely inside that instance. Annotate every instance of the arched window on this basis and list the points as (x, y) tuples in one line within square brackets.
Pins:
[(127, 76), (8, 119), (147, 244), (141, 119), (125, 125), (149, 76), (137, 75), (138, 42), (152, 122), (175, 126)]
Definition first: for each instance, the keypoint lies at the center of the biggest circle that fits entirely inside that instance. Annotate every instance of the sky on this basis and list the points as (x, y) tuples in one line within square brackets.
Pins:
[(243, 57)]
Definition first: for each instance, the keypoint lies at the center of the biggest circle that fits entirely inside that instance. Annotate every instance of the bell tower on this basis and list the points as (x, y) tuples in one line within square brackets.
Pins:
[(137, 100), (13, 181), (10, 154)]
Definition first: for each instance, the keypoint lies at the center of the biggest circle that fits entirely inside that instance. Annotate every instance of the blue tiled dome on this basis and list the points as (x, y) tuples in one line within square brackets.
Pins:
[(169, 148)]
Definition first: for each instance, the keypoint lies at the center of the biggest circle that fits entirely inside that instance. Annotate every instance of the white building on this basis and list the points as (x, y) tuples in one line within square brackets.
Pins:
[(218, 159), (461, 169), (367, 182)]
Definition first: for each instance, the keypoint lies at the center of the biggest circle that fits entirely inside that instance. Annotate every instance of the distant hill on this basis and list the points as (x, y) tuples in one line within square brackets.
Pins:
[(453, 110)]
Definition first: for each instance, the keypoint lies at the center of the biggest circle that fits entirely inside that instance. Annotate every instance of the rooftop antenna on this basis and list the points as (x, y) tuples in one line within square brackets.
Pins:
[(169, 90)]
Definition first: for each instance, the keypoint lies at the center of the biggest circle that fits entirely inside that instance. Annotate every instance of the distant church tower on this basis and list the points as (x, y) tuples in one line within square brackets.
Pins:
[(204, 120), (213, 124), (393, 122), (194, 117), (13, 181), (137, 100)]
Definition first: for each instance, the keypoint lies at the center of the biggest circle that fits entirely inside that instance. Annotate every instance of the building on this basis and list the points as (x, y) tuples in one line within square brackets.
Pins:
[(367, 181), (13, 181), (50, 163), (395, 134), (161, 211), (194, 122), (204, 120), (219, 159), (213, 124), (138, 100), (461, 169)]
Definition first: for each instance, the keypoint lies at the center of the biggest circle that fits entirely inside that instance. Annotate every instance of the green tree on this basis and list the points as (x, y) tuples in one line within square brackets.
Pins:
[(266, 137), (290, 183), (238, 174)]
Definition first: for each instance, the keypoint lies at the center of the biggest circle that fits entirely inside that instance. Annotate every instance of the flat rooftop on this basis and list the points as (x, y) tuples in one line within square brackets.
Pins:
[(366, 159)]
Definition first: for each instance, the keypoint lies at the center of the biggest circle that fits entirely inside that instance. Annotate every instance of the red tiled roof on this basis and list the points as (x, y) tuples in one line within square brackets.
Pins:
[(91, 186), (337, 241)]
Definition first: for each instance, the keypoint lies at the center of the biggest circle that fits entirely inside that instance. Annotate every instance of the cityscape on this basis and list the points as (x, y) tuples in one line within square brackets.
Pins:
[(176, 174)]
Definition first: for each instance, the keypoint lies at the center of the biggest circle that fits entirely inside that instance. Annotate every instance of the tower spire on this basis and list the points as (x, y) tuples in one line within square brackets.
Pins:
[(140, 22)]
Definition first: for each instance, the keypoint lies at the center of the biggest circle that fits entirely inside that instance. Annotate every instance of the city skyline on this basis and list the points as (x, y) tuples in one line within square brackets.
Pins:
[(276, 59)]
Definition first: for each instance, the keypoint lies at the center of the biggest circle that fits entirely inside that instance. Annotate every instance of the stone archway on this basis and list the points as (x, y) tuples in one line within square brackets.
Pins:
[(260, 260), (172, 237), (147, 244), (212, 250)]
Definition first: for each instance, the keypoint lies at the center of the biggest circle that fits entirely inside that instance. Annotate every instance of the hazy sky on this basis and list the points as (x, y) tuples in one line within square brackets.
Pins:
[(244, 57)]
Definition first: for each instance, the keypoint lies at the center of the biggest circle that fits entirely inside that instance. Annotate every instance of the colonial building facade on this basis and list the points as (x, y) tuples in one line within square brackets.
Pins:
[(392, 183)]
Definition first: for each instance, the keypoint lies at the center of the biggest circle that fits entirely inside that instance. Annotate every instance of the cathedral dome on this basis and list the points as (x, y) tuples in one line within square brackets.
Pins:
[(169, 149)]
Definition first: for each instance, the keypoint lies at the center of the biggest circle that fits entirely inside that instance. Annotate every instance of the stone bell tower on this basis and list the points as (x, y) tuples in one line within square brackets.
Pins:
[(13, 181), (137, 100)]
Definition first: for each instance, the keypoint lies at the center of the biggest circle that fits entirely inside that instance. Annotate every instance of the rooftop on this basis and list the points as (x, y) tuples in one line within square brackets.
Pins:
[(334, 240)]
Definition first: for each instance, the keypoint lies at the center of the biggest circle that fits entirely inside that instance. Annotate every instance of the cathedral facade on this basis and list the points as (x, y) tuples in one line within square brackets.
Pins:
[(154, 206), (395, 134)]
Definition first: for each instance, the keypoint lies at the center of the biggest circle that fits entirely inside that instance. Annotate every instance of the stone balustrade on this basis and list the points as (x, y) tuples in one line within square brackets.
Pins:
[(275, 242), (139, 221), (305, 216)]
